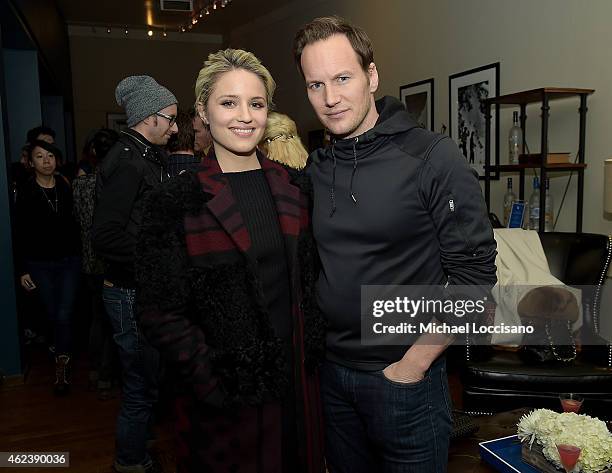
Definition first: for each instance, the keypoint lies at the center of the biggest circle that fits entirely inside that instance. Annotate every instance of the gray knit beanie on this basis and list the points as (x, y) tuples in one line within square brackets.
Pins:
[(141, 96)]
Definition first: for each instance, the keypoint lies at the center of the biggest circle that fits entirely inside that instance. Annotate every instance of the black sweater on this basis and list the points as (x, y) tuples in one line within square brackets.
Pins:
[(417, 217), (41, 232), (132, 167), (258, 210)]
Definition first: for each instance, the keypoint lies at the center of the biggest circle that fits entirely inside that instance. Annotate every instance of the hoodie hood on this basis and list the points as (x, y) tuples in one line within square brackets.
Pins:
[(392, 120)]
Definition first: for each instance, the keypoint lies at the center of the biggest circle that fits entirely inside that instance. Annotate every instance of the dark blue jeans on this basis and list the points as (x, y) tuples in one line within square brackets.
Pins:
[(373, 424), (140, 366), (57, 283), (101, 346)]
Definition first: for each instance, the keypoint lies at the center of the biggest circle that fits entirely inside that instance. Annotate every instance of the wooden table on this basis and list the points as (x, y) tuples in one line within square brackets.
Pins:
[(463, 455)]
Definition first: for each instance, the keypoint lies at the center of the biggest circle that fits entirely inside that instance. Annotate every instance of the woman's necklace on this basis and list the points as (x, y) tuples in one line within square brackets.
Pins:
[(53, 207)]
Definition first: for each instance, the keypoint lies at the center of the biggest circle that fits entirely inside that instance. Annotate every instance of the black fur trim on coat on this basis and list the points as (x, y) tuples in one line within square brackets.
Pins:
[(224, 299), (315, 324)]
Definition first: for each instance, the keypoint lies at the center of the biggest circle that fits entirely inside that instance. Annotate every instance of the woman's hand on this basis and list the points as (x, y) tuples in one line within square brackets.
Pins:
[(27, 283)]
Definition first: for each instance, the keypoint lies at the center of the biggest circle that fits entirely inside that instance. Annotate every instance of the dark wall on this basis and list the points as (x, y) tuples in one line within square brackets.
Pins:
[(10, 363), (47, 31)]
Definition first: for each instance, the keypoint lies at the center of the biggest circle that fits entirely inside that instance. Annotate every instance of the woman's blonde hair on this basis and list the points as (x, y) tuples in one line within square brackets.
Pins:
[(226, 60), (281, 142)]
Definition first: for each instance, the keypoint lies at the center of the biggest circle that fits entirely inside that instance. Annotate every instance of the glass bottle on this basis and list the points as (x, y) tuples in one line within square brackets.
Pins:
[(515, 140), (549, 212), (534, 206), (509, 199)]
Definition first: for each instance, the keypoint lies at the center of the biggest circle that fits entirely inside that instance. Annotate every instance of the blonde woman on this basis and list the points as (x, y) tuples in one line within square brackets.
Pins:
[(281, 142), (226, 289)]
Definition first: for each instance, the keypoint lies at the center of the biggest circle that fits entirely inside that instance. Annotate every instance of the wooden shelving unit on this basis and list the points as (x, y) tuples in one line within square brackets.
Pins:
[(544, 96)]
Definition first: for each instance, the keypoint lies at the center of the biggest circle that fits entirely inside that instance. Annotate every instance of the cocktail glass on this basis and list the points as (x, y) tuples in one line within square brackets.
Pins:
[(571, 402), (569, 455)]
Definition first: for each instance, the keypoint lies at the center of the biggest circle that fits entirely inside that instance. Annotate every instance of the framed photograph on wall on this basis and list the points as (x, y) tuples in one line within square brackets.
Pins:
[(418, 98), (467, 92), (116, 121)]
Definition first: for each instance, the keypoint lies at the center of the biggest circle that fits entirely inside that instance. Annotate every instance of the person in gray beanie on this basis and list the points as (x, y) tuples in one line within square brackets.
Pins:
[(141, 97), (132, 167)]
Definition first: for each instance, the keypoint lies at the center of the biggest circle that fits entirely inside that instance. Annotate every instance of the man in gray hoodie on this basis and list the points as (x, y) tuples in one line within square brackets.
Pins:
[(393, 204)]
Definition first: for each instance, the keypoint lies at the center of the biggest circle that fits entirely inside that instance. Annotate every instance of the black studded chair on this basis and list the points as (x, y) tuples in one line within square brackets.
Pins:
[(495, 380)]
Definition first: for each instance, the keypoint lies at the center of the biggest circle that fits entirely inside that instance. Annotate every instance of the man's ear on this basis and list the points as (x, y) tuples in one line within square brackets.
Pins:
[(373, 77), (201, 112)]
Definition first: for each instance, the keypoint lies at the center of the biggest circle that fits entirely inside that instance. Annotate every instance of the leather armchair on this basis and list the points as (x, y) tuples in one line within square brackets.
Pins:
[(501, 381)]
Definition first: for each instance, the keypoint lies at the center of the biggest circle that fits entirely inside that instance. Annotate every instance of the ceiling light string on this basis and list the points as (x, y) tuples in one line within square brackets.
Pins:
[(149, 31), (198, 16)]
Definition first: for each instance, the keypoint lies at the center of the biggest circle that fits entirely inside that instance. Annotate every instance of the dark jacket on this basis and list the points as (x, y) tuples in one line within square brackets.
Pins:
[(395, 205), (132, 167), (199, 302)]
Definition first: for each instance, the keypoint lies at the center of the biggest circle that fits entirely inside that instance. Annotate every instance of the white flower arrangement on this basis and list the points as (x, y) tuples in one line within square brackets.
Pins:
[(549, 428)]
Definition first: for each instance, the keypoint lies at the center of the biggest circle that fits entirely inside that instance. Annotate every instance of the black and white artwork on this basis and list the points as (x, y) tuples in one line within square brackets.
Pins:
[(418, 98), (467, 92)]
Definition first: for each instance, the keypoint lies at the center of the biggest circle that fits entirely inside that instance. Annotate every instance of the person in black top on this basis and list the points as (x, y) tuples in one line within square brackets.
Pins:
[(181, 146), (102, 349), (47, 247), (42, 133), (393, 204), (133, 166)]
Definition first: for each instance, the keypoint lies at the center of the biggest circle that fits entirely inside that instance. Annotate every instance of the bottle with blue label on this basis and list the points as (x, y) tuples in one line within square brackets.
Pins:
[(534, 206)]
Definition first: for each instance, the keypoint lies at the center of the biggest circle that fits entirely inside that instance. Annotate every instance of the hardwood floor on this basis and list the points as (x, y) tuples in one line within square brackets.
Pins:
[(32, 419)]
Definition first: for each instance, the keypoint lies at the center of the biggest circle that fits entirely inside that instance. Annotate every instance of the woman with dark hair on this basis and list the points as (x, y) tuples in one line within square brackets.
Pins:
[(226, 274), (47, 249)]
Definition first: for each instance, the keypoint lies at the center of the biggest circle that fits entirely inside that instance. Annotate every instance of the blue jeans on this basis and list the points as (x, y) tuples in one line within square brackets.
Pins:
[(373, 424), (140, 366), (101, 347), (57, 283)]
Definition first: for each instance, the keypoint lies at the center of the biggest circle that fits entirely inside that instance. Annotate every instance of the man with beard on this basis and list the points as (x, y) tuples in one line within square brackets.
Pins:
[(393, 204), (133, 166)]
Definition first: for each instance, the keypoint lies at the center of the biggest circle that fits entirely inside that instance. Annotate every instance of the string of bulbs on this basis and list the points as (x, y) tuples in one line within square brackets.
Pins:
[(199, 16), (126, 30), (193, 21)]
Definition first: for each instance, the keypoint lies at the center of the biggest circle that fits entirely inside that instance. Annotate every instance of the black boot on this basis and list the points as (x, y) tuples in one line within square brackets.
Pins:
[(62, 375)]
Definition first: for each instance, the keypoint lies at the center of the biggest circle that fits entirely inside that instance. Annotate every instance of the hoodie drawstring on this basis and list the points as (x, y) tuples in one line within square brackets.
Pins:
[(333, 186), (354, 168), (332, 191)]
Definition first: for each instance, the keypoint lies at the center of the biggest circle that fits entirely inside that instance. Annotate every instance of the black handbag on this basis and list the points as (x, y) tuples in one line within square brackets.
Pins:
[(558, 348)]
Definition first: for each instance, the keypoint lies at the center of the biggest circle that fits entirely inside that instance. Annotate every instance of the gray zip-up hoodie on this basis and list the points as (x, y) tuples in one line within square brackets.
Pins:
[(395, 205)]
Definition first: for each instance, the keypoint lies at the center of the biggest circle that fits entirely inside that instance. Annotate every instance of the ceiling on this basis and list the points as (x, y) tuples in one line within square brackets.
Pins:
[(142, 13)]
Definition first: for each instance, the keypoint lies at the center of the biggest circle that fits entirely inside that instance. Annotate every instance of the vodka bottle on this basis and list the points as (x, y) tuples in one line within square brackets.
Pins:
[(534, 206), (515, 140), (509, 199), (549, 212)]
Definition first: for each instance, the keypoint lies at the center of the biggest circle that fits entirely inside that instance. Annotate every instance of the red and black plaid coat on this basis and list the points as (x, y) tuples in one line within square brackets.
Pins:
[(199, 302)]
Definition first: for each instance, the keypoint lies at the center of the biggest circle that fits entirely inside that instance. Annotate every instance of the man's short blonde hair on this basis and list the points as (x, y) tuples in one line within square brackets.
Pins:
[(227, 60)]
